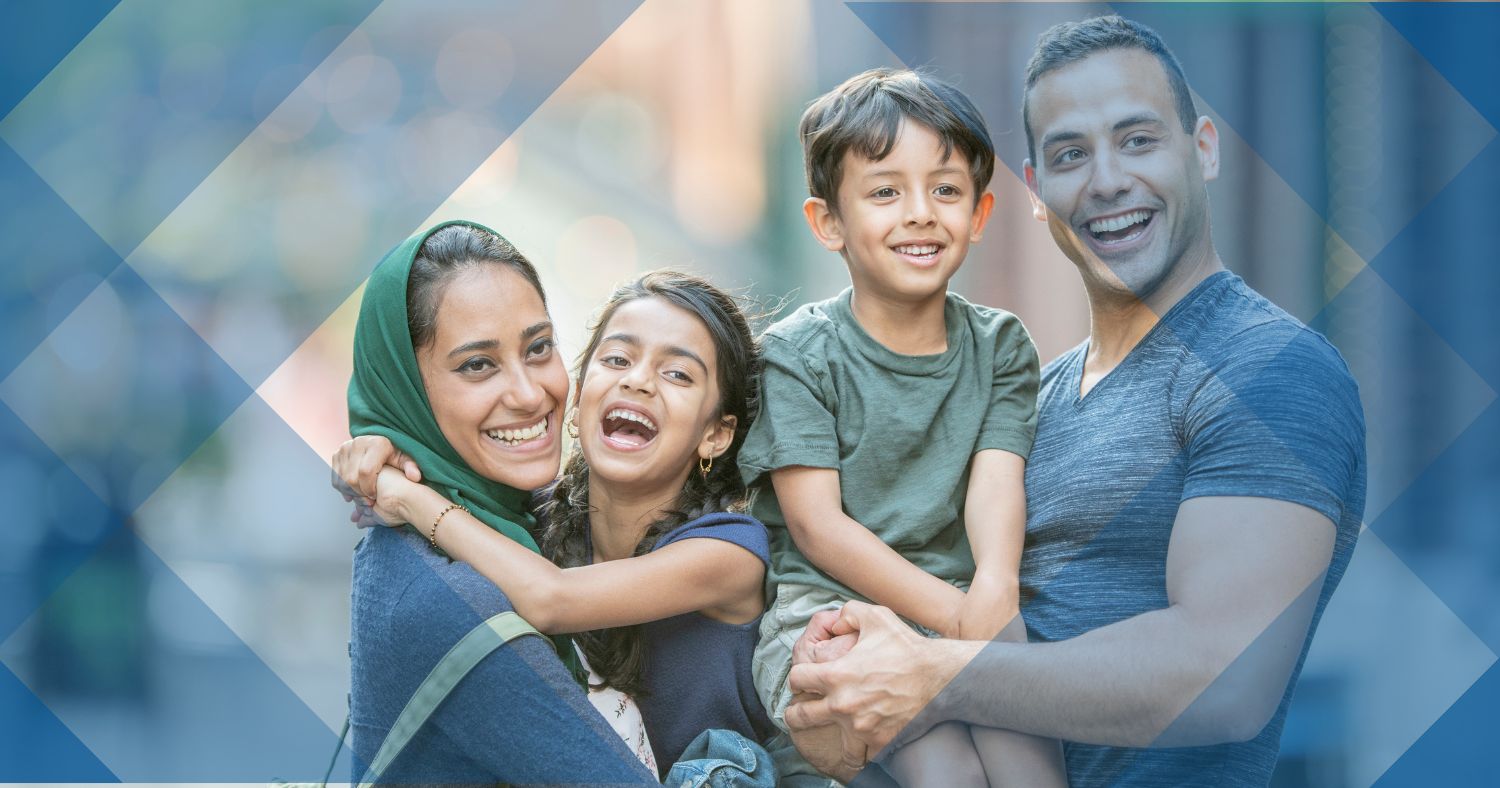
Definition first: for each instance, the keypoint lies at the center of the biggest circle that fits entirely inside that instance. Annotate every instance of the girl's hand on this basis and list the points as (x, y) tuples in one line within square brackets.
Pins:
[(357, 463), (394, 497)]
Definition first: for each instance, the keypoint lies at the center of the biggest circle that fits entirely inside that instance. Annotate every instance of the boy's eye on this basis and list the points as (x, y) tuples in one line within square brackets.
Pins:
[(884, 193), (947, 190)]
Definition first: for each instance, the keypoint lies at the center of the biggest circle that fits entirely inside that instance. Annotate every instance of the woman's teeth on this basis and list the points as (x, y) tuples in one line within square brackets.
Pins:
[(630, 415), (521, 435)]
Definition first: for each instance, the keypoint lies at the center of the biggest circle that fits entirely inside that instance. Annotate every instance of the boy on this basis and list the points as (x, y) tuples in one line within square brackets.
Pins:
[(890, 450)]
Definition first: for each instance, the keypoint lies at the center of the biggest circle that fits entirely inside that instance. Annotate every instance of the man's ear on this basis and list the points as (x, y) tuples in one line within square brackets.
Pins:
[(981, 216), (1038, 208), (1206, 137), (824, 223)]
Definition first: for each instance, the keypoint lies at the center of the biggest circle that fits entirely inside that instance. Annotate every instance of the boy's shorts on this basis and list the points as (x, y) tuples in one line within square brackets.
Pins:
[(780, 627)]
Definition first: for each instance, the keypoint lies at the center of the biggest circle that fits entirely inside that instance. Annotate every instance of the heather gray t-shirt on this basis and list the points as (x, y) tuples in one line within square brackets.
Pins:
[(1227, 396), (899, 429)]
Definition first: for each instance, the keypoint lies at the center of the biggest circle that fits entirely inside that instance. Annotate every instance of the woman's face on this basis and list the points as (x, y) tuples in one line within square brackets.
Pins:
[(648, 406), (494, 377)]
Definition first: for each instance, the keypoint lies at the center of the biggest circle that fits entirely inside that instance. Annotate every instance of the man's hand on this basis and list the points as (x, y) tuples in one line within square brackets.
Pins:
[(875, 690)]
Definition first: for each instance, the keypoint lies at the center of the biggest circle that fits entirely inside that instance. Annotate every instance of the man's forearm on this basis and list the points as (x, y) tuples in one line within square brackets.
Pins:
[(1122, 685)]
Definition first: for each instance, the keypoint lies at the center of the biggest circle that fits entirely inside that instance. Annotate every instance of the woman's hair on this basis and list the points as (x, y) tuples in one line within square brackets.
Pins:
[(617, 654), (443, 256)]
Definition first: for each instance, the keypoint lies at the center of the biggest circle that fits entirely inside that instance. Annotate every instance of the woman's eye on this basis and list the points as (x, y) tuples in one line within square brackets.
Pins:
[(541, 347), (475, 365)]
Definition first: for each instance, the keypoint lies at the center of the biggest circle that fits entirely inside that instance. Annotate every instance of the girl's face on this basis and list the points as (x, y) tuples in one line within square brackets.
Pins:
[(494, 378), (648, 406)]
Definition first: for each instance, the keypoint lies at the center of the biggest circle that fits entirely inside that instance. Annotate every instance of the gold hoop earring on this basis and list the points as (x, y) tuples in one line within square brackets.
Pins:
[(705, 464), (573, 423)]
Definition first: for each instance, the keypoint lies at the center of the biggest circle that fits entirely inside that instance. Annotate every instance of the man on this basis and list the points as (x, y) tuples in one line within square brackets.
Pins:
[(1195, 489)]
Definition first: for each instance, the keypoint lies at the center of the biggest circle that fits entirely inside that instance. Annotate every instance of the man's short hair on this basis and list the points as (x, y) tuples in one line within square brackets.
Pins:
[(864, 115), (1070, 42)]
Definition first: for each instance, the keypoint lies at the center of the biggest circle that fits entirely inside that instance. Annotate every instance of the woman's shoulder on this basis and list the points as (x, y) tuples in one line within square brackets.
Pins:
[(423, 590)]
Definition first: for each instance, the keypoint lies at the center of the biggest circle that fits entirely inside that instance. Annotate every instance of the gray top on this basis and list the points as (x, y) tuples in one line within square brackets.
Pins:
[(1227, 396), (899, 429)]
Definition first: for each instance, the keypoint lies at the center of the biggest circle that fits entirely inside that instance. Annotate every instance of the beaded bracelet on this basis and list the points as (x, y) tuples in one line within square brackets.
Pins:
[(432, 536)]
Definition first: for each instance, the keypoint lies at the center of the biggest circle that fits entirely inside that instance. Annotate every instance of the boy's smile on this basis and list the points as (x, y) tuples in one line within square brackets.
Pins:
[(904, 223)]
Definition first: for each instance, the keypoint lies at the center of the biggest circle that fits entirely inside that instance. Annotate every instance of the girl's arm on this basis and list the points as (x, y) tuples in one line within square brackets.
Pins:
[(995, 520), (708, 575)]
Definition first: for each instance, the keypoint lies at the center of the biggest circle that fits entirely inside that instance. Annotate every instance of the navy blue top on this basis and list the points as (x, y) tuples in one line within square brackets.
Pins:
[(697, 670), (517, 717), (1227, 395)]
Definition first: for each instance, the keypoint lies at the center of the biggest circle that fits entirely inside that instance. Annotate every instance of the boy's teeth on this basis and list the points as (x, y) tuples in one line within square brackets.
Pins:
[(918, 250), (621, 413), (518, 436), (1118, 222)]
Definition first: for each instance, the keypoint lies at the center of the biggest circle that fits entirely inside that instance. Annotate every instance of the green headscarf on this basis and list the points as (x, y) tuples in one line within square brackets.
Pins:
[(387, 397)]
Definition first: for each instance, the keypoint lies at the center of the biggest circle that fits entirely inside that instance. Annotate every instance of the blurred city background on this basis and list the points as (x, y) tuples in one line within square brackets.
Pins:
[(194, 193)]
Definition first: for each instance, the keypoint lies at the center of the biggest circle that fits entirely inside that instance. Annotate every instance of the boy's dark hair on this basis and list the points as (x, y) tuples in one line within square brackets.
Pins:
[(1069, 42), (864, 115), (618, 654)]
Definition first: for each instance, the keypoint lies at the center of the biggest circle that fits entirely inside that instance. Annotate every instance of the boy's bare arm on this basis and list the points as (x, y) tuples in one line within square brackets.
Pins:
[(995, 520), (851, 554)]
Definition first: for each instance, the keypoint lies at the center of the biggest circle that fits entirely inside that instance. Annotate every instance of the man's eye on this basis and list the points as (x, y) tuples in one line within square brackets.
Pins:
[(1068, 156), (1139, 141)]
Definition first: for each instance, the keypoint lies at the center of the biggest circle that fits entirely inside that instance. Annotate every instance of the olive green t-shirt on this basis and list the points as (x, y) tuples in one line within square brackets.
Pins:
[(899, 429)]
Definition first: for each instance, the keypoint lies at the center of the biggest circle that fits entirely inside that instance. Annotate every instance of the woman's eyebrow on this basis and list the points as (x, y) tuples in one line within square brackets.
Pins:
[(536, 328), (469, 347)]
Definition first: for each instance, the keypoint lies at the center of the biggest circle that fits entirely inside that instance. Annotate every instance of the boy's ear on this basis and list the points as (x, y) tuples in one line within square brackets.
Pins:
[(824, 224), (1038, 208), (717, 437), (981, 216)]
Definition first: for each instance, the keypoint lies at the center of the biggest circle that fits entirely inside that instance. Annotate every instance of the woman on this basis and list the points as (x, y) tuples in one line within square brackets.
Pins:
[(483, 408)]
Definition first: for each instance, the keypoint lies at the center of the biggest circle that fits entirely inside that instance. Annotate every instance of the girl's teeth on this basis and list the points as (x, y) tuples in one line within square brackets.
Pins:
[(621, 413)]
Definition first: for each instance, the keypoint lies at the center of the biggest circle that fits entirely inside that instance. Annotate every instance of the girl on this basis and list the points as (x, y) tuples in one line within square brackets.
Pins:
[(655, 567)]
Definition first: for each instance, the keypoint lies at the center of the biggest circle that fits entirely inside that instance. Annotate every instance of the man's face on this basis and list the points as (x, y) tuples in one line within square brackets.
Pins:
[(1118, 181)]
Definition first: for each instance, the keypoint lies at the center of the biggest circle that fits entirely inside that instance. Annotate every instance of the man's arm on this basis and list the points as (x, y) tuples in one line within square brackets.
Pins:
[(853, 555), (1243, 576)]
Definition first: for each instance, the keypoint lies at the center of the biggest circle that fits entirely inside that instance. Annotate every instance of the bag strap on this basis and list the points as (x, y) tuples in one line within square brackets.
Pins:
[(468, 652)]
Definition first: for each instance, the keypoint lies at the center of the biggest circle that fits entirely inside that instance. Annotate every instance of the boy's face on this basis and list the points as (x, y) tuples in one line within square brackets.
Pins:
[(904, 223)]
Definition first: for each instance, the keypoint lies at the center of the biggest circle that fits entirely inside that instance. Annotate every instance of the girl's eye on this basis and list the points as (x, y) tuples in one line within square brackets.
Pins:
[(617, 362), (679, 376), (541, 348), (477, 364)]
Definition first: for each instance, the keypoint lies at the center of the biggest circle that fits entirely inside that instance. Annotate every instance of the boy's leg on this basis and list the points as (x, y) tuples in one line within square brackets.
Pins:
[(944, 756), (1011, 758), (780, 627)]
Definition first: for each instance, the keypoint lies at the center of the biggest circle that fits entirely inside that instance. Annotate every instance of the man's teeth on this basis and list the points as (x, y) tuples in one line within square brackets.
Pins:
[(519, 436), (919, 251), (1118, 222), (630, 415)]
